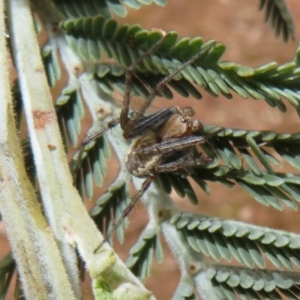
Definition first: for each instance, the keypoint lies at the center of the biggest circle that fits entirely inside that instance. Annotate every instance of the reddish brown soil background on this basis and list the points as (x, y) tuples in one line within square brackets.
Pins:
[(250, 42)]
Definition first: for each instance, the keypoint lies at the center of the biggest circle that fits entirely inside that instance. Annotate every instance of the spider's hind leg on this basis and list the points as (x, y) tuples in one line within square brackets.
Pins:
[(183, 164), (172, 145)]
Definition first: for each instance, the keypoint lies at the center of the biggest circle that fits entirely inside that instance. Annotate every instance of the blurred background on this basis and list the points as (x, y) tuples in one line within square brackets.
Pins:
[(250, 42)]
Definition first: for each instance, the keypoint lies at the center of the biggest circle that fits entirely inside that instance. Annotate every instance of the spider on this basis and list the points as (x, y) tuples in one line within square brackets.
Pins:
[(162, 142)]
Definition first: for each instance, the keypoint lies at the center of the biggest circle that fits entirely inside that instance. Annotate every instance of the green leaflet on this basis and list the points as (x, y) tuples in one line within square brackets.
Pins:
[(51, 64), (70, 111), (141, 254)]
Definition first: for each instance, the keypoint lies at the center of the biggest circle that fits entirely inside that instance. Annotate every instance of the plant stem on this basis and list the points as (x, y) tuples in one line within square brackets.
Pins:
[(32, 241)]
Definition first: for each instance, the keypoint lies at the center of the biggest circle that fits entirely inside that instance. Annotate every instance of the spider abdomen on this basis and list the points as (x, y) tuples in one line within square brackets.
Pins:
[(139, 164)]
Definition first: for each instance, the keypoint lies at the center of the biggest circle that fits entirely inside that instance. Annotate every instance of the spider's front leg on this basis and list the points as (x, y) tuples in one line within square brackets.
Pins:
[(124, 118), (128, 124)]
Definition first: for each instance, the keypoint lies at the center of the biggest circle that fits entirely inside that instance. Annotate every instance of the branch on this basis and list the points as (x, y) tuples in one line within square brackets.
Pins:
[(32, 242)]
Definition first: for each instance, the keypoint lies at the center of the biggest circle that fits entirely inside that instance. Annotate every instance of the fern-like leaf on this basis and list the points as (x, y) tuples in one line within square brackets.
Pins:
[(89, 166), (51, 64), (88, 37), (226, 239), (141, 254), (278, 14), (109, 208), (231, 282), (70, 111)]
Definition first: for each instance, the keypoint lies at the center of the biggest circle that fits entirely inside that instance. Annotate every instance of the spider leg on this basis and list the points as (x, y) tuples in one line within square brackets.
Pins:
[(111, 124), (159, 87), (172, 145), (128, 82), (182, 164), (128, 209)]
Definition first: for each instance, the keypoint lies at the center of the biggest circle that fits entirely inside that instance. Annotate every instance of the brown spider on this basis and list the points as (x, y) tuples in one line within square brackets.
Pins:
[(161, 142)]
